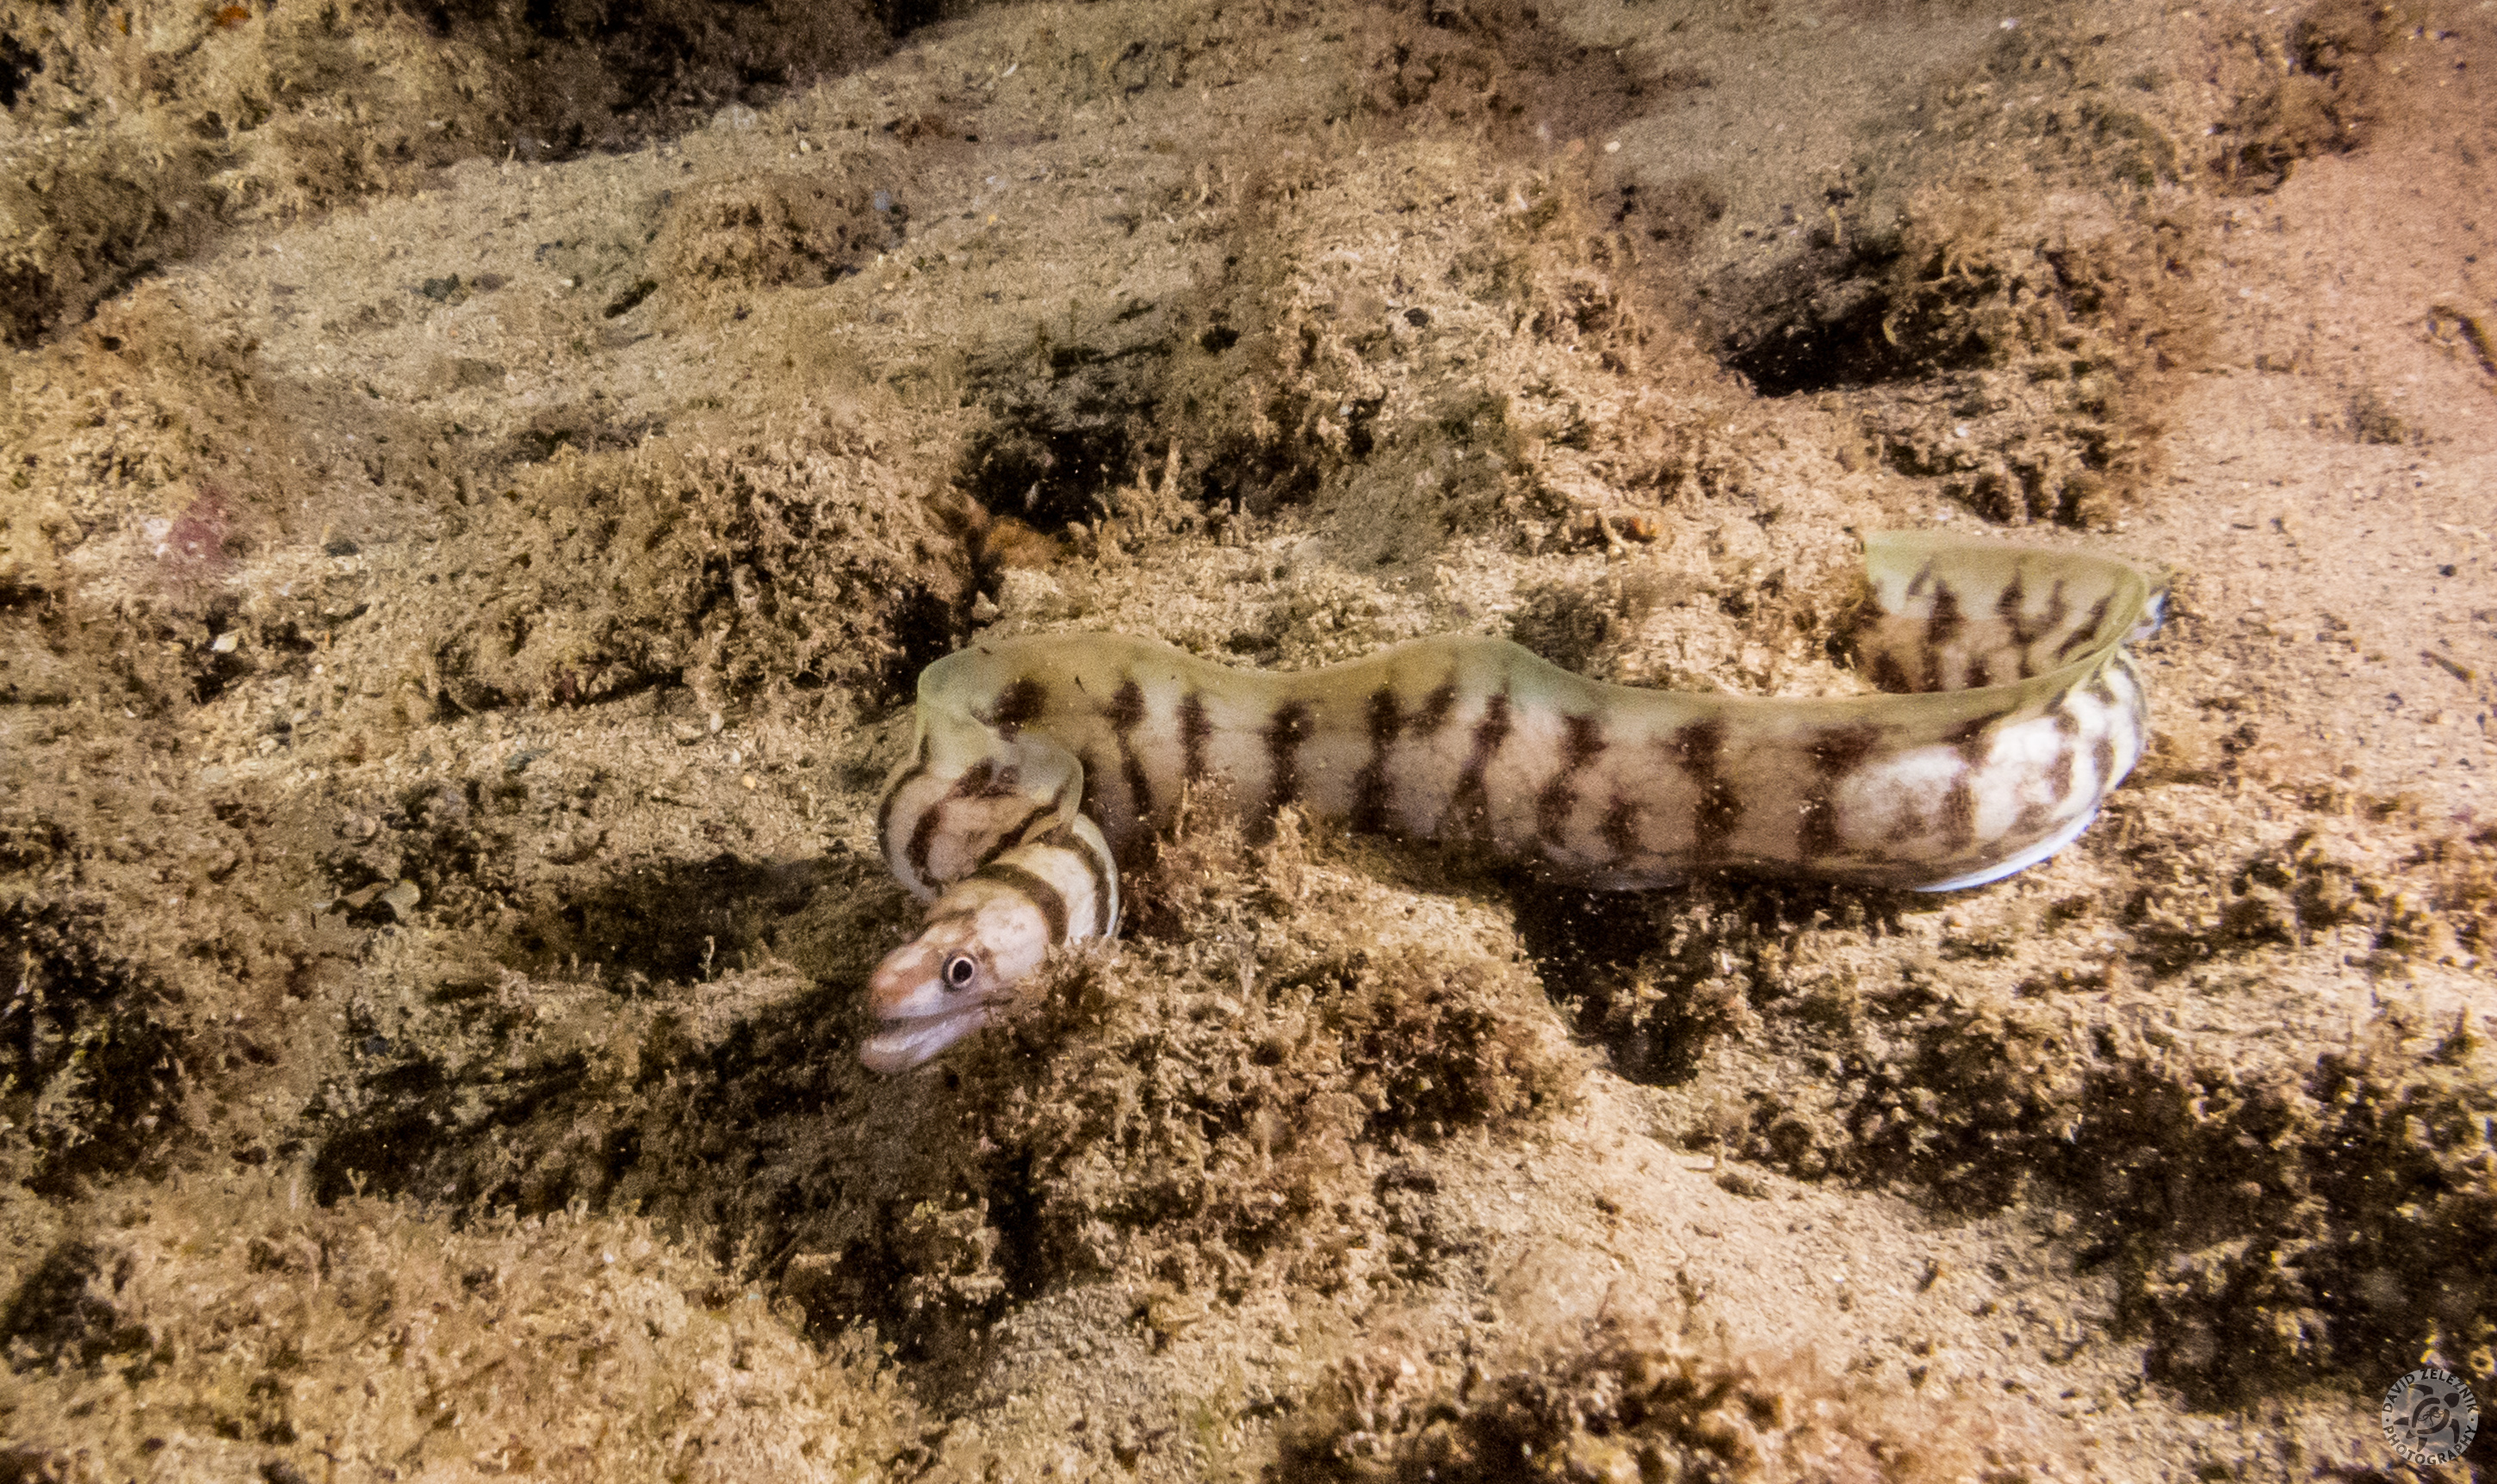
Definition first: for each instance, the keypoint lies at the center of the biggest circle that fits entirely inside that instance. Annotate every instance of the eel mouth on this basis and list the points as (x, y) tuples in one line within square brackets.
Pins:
[(908, 1040)]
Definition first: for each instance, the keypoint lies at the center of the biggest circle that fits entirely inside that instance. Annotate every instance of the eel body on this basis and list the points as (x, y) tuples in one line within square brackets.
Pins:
[(2010, 709)]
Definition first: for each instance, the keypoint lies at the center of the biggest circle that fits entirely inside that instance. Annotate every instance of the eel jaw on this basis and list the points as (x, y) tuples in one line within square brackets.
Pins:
[(921, 1017), (913, 1041)]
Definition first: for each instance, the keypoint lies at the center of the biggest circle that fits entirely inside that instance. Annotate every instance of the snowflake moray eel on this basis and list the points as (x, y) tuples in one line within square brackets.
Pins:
[(2009, 711)]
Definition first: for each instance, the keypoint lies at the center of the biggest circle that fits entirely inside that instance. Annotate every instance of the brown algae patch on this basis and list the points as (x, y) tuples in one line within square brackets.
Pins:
[(244, 1328), (812, 564), (1624, 1398)]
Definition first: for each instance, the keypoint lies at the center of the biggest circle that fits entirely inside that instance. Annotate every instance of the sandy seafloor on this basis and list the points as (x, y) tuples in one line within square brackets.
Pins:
[(454, 625)]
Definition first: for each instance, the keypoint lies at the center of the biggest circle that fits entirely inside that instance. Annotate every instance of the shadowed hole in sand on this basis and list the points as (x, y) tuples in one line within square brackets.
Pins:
[(1068, 419), (1829, 320), (85, 1073), (1654, 978), (55, 1318), (675, 919)]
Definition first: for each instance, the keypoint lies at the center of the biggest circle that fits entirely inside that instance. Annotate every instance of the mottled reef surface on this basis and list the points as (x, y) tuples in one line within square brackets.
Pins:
[(476, 484)]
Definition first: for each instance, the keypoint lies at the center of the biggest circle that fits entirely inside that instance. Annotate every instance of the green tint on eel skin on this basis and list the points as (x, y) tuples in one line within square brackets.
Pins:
[(2011, 709)]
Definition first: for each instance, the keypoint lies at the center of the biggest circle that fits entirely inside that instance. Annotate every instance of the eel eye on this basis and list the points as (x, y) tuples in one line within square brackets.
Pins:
[(958, 971)]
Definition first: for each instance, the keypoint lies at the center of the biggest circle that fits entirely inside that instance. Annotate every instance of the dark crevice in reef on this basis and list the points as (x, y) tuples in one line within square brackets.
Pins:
[(1836, 319), (675, 919), (77, 1035), (1067, 421)]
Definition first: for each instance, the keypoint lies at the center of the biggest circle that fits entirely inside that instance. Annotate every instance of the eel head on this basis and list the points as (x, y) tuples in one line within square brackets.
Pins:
[(979, 944)]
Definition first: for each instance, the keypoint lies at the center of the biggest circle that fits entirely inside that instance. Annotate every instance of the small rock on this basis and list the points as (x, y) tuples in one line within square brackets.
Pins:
[(1023, 593), (453, 373), (574, 843)]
